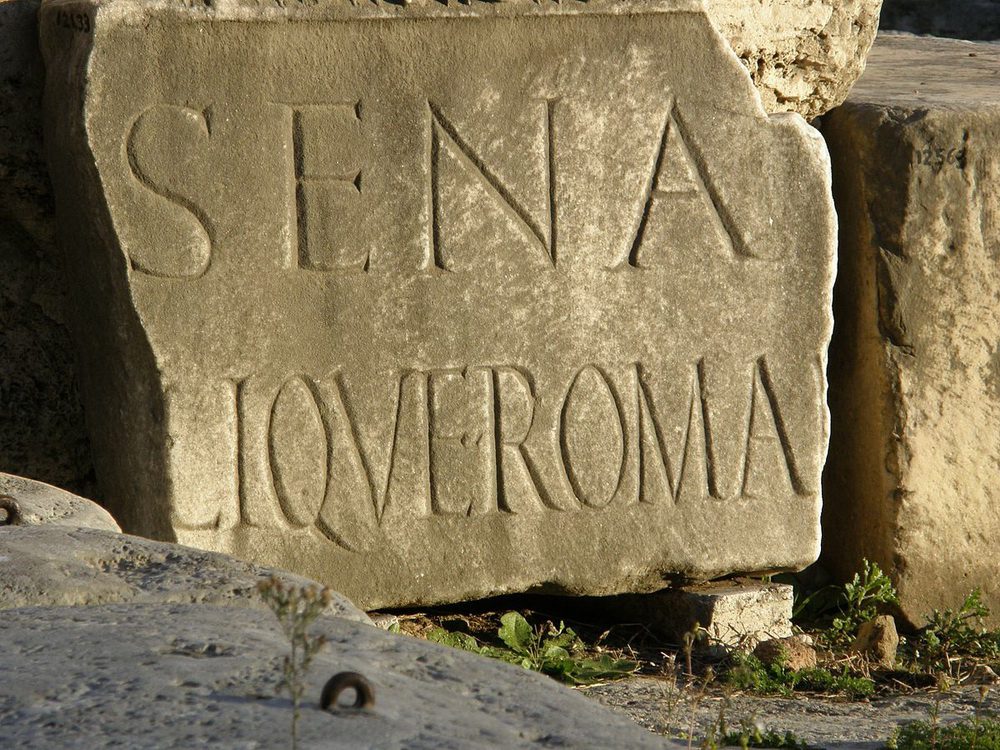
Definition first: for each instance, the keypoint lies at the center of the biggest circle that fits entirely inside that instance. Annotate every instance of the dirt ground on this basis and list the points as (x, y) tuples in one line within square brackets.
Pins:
[(822, 722)]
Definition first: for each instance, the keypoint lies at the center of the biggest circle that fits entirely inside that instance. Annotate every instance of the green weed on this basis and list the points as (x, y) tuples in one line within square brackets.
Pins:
[(555, 651), (756, 737), (970, 734), (960, 632), (860, 601), (747, 672)]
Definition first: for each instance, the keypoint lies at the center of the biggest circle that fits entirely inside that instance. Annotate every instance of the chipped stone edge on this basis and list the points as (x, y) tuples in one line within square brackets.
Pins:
[(137, 11)]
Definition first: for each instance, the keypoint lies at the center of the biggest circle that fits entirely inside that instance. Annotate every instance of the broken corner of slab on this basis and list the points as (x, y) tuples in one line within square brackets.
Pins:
[(430, 302)]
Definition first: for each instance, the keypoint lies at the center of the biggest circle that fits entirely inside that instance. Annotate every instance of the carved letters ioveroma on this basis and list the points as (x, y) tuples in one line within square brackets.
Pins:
[(314, 449)]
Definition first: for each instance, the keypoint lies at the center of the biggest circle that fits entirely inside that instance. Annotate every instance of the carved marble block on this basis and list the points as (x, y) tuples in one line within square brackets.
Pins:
[(435, 301)]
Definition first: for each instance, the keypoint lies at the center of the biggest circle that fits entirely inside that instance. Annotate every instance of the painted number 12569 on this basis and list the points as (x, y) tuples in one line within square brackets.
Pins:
[(938, 157)]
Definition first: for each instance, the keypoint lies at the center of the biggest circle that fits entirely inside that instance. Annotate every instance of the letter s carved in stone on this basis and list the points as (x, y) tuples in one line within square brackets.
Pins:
[(167, 150)]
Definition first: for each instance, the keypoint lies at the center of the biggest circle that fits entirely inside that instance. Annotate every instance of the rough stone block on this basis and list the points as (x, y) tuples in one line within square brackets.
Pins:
[(912, 481), (434, 302), (736, 614), (803, 55)]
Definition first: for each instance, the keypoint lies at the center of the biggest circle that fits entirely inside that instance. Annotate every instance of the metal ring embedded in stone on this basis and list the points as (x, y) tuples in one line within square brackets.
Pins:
[(10, 511), (343, 681)]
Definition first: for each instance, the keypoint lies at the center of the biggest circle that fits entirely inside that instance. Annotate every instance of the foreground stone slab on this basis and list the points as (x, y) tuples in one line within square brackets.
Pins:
[(39, 504), (56, 566), (915, 384), (461, 315), (182, 676), (803, 55)]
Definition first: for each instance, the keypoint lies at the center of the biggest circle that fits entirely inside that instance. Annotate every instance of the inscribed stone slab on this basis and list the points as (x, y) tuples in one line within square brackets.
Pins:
[(433, 302)]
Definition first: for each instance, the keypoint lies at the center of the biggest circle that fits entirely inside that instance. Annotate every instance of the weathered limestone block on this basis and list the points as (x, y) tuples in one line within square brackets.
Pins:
[(436, 302), (915, 366), (42, 431), (964, 19), (803, 55)]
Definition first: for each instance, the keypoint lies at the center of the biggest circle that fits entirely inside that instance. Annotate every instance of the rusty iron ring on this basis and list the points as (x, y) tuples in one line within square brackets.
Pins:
[(12, 516), (343, 681)]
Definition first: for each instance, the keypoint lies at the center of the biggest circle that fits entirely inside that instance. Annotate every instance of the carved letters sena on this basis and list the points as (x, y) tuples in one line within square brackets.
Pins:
[(321, 195)]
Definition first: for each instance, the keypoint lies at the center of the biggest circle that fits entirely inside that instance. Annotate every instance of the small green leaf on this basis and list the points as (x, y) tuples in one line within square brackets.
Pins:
[(463, 641), (555, 652), (516, 632)]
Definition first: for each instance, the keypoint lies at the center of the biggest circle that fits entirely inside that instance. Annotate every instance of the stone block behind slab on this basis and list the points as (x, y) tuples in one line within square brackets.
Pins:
[(961, 19), (436, 302), (39, 504), (56, 566), (42, 431), (913, 479)]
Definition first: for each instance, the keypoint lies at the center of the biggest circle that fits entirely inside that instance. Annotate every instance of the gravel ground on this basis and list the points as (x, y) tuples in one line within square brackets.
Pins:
[(823, 722)]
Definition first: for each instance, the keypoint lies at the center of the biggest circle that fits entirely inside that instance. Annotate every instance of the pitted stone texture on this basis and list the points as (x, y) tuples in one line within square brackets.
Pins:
[(506, 284), (915, 384), (961, 19), (41, 503), (163, 677), (791, 652), (57, 566), (803, 55), (42, 431), (878, 640)]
